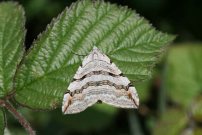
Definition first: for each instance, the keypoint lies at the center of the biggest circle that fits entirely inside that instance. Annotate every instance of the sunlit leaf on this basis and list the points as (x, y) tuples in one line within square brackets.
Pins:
[(129, 40), (12, 34), (184, 74)]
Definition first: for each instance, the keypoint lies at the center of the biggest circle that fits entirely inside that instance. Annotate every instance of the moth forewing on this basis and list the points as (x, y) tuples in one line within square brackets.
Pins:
[(98, 79), (133, 95), (66, 102)]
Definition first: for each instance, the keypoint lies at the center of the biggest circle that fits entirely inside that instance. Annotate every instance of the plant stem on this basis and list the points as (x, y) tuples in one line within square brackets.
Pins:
[(134, 123), (162, 93), (18, 116)]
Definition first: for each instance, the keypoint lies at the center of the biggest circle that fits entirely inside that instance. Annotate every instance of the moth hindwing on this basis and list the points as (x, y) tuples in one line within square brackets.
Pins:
[(98, 79)]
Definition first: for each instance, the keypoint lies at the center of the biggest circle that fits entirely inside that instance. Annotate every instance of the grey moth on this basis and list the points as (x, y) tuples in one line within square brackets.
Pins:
[(99, 80)]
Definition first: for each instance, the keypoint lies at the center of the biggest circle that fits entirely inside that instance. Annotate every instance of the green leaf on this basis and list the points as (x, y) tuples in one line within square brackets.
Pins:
[(143, 90), (129, 40), (172, 122), (196, 109), (184, 74), (2, 122), (12, 33)]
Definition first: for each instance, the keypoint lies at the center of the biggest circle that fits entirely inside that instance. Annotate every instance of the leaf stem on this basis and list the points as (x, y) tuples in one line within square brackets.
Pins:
[(134, 123), (162, 93), (18, 116)]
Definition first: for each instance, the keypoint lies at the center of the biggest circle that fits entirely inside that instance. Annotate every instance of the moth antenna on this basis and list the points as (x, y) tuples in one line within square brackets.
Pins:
[(133, 82), (78, 54)]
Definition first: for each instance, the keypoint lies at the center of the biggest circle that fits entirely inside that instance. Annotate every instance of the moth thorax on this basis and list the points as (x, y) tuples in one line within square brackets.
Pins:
[(95, 56)]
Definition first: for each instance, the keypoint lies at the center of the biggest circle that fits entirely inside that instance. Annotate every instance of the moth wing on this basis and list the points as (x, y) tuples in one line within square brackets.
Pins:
[(86, 92), (78, 104)]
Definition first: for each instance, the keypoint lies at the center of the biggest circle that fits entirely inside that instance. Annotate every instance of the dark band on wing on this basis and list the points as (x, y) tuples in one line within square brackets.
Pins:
[(95, 73), (101, 83)]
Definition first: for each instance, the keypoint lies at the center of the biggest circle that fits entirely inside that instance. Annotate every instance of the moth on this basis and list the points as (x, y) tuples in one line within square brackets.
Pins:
[(98, 80)]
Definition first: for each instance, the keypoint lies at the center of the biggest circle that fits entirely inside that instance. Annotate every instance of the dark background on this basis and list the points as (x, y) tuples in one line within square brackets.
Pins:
[(180, 17)]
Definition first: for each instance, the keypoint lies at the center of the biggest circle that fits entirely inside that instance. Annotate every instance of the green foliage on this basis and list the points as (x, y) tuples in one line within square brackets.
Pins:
[(2, 122), (44, 8), (94, 119), (183, 84), (14, 131), (172, 122), (143, 89), (12, 34), (129, 40), (184, 74), (48, 67), (197, 131), (196, 109)]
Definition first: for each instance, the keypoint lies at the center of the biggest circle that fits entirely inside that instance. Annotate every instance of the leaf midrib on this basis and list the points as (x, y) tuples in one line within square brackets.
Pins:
[(2, 58), (118, 23), (85, 35), (66, 35), (109, 32)]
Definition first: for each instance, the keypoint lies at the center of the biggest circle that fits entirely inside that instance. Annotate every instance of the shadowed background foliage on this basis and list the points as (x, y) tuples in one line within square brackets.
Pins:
[(168, 106)]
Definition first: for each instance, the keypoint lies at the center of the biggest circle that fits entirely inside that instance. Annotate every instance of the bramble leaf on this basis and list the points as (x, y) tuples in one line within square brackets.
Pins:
[(12, 33), (129, 40), (184, 74), (143, 88)]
